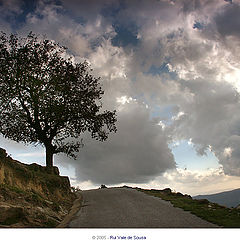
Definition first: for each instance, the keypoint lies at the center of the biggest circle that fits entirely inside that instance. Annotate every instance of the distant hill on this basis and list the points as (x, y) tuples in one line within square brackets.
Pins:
[(228, 198)]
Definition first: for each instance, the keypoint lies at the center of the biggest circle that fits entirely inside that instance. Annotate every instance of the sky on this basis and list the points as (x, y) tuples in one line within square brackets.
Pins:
[(170, 68)]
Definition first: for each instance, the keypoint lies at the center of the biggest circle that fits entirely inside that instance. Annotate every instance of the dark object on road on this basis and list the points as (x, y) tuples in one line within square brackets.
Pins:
[(103, 186)]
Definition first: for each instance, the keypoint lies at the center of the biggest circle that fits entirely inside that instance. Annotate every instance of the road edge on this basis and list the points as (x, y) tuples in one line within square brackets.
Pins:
[(77, 204)]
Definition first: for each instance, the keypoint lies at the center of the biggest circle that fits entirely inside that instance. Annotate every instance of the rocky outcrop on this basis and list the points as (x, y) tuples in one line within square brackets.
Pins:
[(30, 196)]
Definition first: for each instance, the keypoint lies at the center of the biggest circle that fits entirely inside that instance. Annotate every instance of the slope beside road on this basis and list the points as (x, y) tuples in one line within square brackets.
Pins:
[(129, 208)]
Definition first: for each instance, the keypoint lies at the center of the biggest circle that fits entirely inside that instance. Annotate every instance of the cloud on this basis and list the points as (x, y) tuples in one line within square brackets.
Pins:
[(9, 10), (33, 154), (136, 153), (11, 145), (11, 7), (87, 10), (195, 182), (208, 72), (211, 117), (199, 87), (52, 20), (228, 20), (187, 182), (206, 86)]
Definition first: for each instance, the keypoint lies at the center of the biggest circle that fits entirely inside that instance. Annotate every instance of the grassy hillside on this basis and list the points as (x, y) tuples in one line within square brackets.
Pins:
[(211, 212), (30, 196)]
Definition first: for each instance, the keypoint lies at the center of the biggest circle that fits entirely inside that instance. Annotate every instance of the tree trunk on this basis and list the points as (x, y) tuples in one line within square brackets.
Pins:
[(49, 158)]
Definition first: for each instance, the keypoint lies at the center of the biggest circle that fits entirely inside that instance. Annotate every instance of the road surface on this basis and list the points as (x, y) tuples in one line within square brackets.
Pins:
[(129, 208)]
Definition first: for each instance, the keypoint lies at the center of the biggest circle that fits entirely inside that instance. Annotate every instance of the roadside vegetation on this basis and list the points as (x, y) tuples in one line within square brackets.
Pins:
[(211, 212)]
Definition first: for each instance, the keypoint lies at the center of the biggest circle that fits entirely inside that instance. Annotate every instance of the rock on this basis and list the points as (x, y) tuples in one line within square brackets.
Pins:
[(203, 201), (62, 211), (3, 153), (38, 168), (3, 226), (167, 191), (48, 202), (17, 225), (1, 198), (187, 196), (40, 209), (11, 214), (35, 167), (53, 170), (179, 194), (56, 171)]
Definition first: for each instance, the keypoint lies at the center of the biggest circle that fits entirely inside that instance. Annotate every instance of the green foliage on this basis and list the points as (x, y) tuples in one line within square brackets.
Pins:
[(36, 198), (204, 209), (46, 98), (16, 189)]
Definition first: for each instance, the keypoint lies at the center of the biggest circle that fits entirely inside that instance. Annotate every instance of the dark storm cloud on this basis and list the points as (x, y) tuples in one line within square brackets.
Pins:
[(230, 1), (89, 9), (136, 153), (191, 5), (125, 36), (15, 11), (228, 20)]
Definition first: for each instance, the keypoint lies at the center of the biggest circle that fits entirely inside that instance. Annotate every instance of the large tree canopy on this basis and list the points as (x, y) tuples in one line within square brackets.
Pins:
[(46, 98)]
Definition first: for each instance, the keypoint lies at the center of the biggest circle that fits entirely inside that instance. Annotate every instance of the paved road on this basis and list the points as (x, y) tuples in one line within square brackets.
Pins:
[(129, 208)]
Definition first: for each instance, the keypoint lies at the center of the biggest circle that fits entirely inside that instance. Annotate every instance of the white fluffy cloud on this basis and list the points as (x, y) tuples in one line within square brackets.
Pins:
[(206, 85), (195, 182)]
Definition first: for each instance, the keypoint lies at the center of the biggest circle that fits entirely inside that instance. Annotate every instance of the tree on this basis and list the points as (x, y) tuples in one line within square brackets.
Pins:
[(47, 99)]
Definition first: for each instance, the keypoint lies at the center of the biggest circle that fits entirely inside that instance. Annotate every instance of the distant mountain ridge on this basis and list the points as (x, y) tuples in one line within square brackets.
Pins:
[(227, 198)]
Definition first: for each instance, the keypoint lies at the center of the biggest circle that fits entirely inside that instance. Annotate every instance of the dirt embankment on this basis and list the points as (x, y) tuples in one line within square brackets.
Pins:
[(31, 197)]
